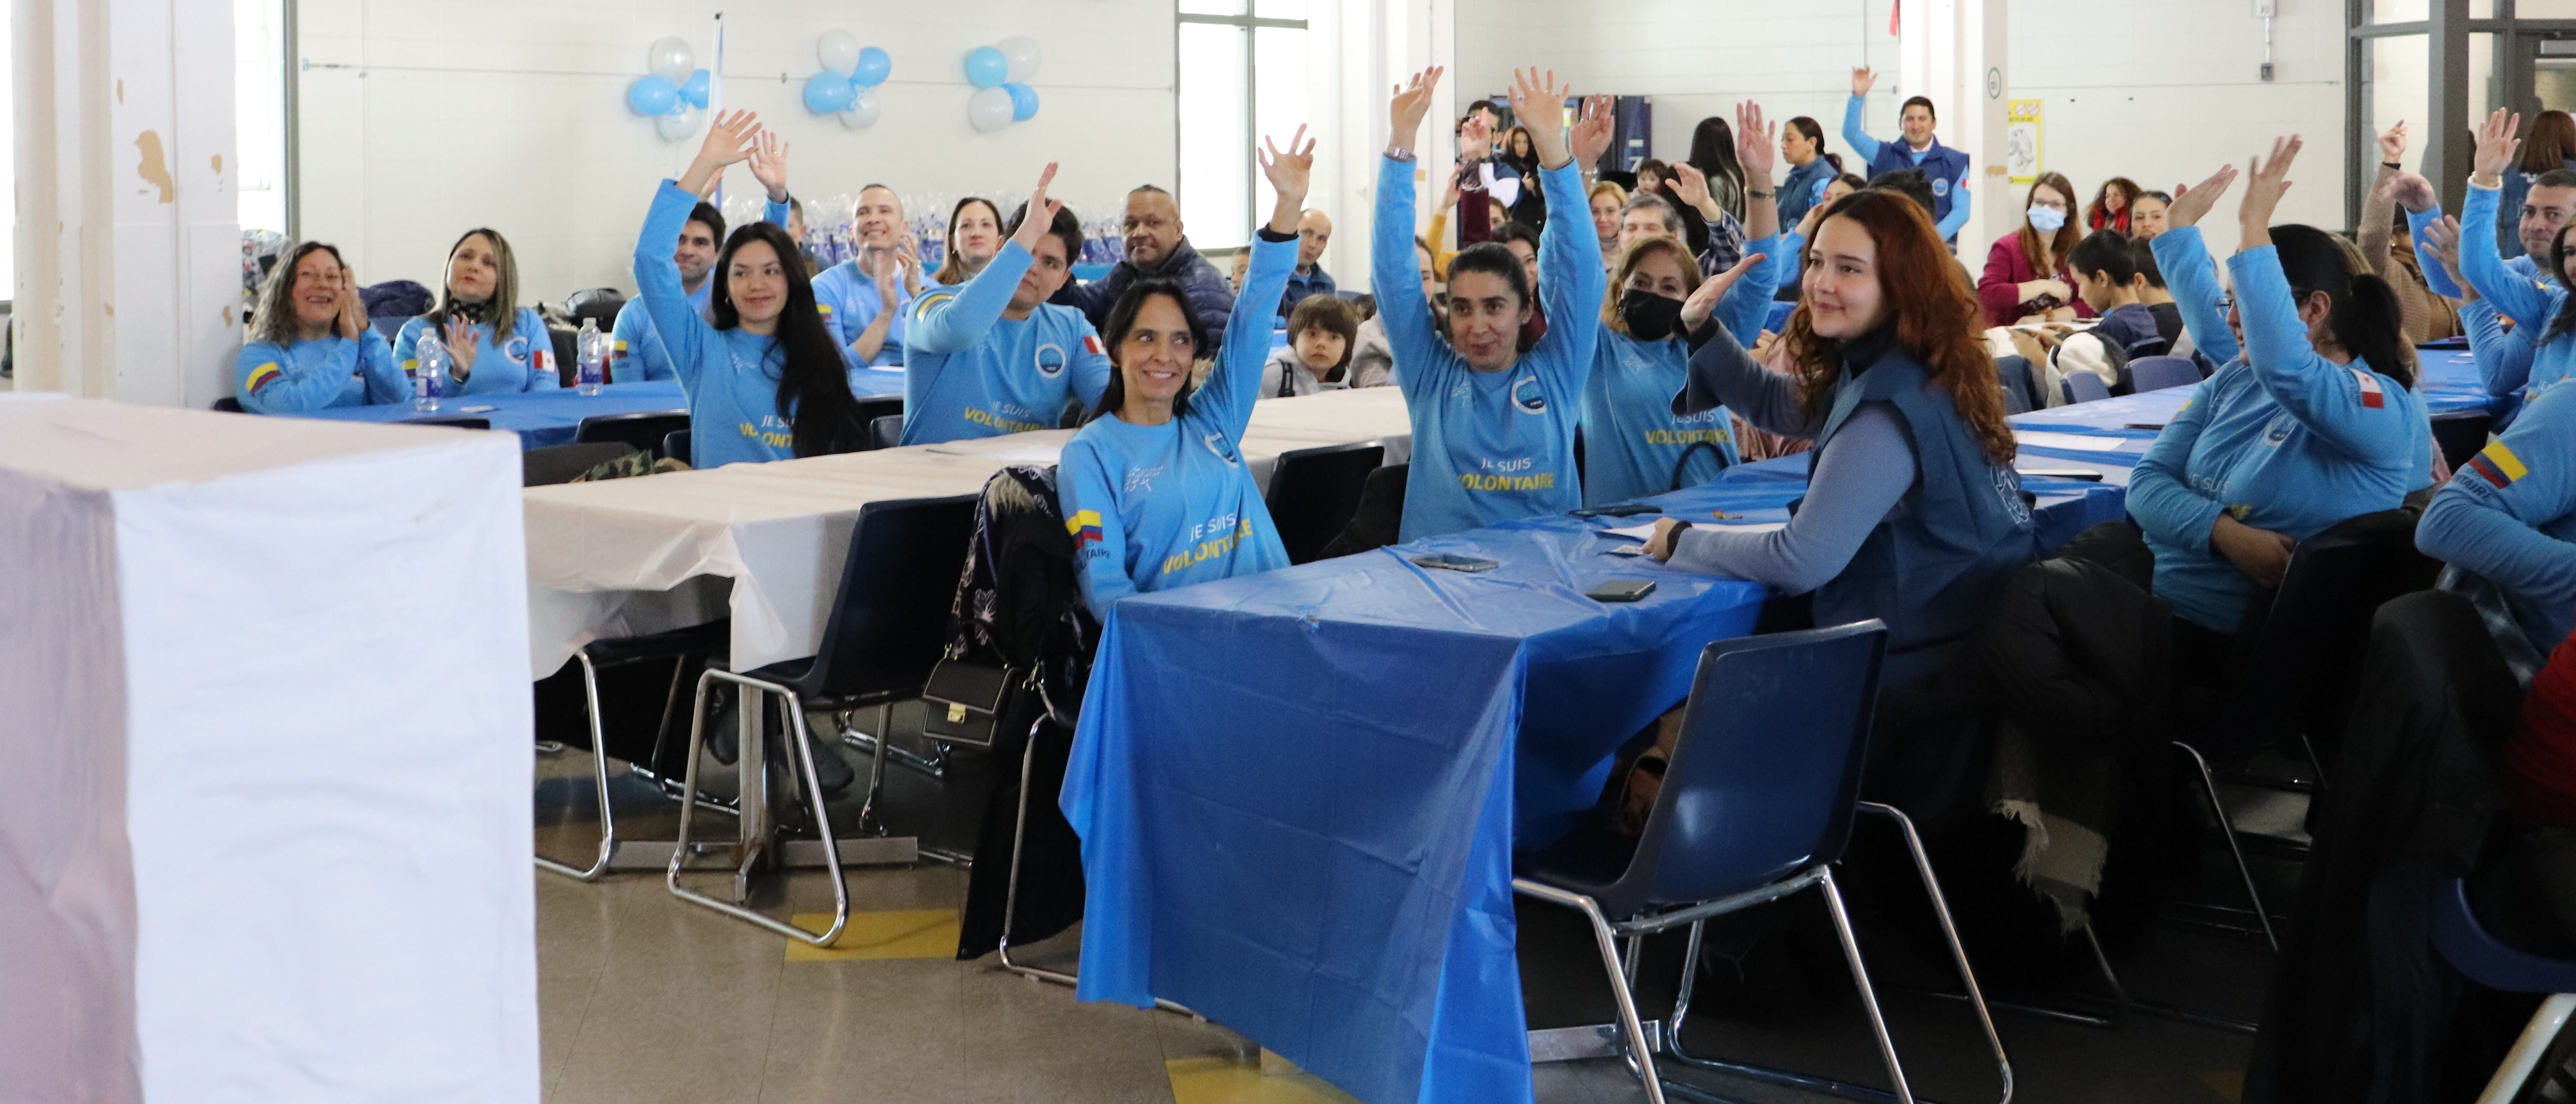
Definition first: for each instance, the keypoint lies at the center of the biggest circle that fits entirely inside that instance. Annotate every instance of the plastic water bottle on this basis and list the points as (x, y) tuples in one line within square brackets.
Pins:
[(592, 347), (429, 370)]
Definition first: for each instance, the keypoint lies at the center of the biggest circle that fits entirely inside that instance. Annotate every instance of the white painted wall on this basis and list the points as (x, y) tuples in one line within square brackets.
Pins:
[(421, 120), (2161, 94)]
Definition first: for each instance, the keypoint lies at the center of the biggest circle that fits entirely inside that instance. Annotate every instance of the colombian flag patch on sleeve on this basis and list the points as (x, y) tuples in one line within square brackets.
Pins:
[(2498, 465), (824, 309), (2371, 394), (262, 376), (1085, 527), (1091, 344)]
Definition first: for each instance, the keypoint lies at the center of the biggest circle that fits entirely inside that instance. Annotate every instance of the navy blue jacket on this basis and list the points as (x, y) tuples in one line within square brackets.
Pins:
[(1211, 298)]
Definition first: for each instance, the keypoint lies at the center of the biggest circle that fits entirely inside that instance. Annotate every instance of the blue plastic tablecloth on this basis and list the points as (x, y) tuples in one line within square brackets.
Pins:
[(1298, 792), (550, 416)]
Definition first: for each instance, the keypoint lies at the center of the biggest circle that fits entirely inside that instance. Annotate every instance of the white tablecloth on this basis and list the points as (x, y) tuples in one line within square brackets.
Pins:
[(641, 555), (265, 815)]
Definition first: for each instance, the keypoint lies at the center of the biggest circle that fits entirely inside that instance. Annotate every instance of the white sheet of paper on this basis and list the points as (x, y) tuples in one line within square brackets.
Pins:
[(2043, 439), (1642, 532), (1633, 532)]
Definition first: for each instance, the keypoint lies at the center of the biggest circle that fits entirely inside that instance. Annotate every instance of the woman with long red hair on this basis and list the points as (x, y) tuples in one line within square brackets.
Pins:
[(1913, 512)]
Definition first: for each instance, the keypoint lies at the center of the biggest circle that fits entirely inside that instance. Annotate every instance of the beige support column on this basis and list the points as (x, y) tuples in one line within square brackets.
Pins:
[(129, 240), (1955, 52)]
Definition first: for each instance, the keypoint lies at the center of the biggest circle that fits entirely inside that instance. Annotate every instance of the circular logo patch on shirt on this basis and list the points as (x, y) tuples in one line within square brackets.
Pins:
[(1223, 449), (1526, 396), (1050, 360), (516, 348), (1940, 188)]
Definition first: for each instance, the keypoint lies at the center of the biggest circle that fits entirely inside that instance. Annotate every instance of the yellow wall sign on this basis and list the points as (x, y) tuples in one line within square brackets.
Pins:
[(2021, 140)]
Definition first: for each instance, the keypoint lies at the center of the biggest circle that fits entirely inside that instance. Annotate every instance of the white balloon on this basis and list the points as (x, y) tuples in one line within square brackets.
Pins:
[(838, 51), (1022, 53), (989, 109), (671, 59), (863, 111), (679, 124)]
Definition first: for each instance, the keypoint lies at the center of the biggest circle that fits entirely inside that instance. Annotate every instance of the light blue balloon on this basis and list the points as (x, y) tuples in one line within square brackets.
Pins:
[(696, 90), (1024, 102), (829, 93), (987, 67), (650, 96), (874, 68)]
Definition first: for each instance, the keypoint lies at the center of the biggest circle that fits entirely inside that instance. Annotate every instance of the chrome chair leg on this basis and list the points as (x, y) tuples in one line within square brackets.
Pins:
[(801, 758), (1868, 996), (599, 774), (2546, 1022), (1640, 1055), (1011, 891), (2227, 827), (1950, 932), (869, 821), (934, 765)]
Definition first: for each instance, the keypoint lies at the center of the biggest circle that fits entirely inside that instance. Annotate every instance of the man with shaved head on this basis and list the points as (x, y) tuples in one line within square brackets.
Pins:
[(1157, 249), (1314, 231)]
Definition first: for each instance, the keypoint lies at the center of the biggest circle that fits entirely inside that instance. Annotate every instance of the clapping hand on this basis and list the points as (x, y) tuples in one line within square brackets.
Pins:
[(461, 347), (353, 309)]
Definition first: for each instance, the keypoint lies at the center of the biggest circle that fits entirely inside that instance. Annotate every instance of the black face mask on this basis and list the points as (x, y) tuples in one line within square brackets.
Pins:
[(1648, 316)]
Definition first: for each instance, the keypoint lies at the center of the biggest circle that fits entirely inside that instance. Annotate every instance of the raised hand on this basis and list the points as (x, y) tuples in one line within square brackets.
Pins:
[(2442, 240), (1041, 214), (2192, 203), (730, 139), (1475, 138), (2266, 180), (1691, 186), (768, 158), (2392, 144), (1288, 170), (1863, 79), (1591, 138), (1703, 302), (1539, 102), (2412, 192), (1756, 142), (461, 348), (1411, 102), (2496, 147)]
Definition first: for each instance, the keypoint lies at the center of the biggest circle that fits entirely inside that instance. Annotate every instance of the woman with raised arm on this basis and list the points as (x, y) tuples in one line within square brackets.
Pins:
[(765, 379), (994, 356), (310, 347), (2315, 422), (1154, 488), (2539, 309), (1635, 444), (1913, 513), (1493, 427)]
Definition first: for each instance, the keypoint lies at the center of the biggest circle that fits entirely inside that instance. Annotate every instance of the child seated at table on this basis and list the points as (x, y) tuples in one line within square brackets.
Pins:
[(1154, 489), (311, 347), (1322, 332)]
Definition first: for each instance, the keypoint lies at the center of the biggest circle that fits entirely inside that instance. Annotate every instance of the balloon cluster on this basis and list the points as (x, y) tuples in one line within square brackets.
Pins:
[(847, 86), (1001, 74), (673, 91)]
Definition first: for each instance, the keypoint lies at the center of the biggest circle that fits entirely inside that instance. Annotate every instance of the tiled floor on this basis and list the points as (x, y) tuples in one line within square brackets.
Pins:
[(647, 999)]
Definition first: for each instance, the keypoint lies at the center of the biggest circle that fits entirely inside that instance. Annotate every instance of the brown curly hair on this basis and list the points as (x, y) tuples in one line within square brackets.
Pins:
[(1937, 318)]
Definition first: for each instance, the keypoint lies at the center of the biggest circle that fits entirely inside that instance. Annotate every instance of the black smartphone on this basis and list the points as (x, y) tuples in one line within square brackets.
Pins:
[(2085, 474), (1621, 590), (1446, 561), (1627, 509), (2157, 427)]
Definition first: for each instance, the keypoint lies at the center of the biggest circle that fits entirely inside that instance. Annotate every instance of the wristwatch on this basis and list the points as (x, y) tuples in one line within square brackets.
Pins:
[(1398, 153)]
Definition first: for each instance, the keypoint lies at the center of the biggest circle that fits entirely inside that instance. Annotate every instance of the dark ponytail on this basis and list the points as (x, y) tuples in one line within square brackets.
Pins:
[(814, 396), (2364, 314)]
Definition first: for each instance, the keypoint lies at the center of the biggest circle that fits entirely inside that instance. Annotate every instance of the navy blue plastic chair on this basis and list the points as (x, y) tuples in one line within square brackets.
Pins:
[(675, 445), (2085, 387), (2491, 963), (1757, 804), (2156, 373)]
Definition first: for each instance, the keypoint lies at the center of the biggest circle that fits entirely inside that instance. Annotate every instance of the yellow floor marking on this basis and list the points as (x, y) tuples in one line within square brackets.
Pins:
[(903, 933), (1235, 1081), (2229, 1084)]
